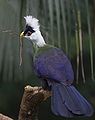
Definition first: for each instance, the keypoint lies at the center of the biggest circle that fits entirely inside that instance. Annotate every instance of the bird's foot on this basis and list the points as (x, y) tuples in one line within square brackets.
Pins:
[(39, 89)]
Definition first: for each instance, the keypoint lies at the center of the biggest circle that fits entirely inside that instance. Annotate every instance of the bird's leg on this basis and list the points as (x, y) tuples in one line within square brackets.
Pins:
[(44, 84), (39, 89)]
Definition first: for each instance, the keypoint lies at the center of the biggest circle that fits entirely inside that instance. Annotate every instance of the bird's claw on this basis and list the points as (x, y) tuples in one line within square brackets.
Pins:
[(39, 89)]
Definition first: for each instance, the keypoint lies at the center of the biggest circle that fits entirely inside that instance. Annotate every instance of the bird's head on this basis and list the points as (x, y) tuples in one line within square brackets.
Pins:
[(32, 31), (32, 26)]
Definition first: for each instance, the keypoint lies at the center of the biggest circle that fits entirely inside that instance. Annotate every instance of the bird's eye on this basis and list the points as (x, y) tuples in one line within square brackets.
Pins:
[(29, 33), (28, 30)]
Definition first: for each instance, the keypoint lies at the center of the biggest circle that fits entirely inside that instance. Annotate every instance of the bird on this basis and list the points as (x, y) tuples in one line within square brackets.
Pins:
[(55, 72)]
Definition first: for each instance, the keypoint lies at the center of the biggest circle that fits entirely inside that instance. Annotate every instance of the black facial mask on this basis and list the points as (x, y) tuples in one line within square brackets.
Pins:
[(27, 29)]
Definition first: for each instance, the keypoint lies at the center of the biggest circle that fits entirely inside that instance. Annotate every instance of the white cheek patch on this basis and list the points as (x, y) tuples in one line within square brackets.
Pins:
[(34, 36)]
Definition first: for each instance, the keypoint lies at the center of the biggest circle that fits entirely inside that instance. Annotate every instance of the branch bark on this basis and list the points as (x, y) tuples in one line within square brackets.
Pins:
[(32, 98), (3, 117)]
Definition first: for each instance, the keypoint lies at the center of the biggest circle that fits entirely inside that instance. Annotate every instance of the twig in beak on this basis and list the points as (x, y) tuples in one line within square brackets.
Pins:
[(11, 32), (20, 51)]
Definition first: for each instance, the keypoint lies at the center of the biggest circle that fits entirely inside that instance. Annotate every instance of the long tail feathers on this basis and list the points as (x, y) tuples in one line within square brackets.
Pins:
[(68, 102)]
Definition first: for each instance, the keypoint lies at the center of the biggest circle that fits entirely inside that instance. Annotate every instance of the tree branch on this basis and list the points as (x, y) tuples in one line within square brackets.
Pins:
[(32, 98), (3, 117)]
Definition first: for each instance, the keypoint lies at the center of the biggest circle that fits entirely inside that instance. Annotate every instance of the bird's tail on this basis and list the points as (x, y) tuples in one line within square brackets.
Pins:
[(68, 102)]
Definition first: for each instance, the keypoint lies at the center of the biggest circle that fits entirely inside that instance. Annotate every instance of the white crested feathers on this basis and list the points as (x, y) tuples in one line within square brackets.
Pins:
[(36, 37), (33, 22)]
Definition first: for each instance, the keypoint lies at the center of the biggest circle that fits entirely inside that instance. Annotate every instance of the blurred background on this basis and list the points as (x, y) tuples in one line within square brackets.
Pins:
[(67, 24)]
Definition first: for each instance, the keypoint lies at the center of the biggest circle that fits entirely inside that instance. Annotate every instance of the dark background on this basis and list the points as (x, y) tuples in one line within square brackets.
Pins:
[(59, 21)]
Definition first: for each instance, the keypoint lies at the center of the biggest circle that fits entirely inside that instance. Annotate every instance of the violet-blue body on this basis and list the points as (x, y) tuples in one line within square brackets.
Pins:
[(55, 72)]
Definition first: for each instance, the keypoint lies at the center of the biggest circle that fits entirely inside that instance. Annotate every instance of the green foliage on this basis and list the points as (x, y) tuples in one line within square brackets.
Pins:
[(58, 20), (50, 5), (59, 26), (90, 38)]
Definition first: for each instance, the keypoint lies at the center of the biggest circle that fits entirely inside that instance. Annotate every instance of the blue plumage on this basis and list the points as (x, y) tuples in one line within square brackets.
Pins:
[(55, 71), (56, 74), (54, 64), (69, 102)]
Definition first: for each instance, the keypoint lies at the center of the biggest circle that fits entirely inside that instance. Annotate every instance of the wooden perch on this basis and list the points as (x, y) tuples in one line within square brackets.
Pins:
[(32, 98), (3, 117)]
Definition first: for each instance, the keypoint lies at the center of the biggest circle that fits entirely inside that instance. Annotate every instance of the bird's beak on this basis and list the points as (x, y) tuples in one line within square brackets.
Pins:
[(22, 35)]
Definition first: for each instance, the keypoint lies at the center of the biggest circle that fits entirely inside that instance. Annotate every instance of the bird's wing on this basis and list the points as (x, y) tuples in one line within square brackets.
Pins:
[(54, 65)]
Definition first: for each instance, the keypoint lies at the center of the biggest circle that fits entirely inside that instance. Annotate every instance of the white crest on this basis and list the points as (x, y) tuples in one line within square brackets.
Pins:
[(33, 22)]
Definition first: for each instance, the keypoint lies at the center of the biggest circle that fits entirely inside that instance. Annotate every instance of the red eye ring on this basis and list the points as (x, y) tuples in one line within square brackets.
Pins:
[(29, 33)]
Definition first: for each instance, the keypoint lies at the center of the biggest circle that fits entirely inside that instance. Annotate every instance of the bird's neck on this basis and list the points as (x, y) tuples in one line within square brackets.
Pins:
[(40, 40)]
